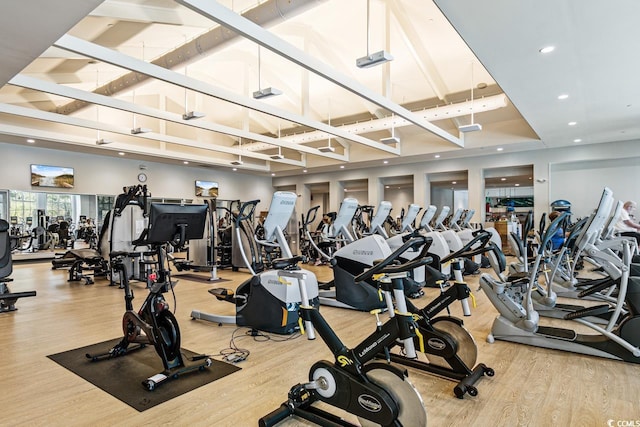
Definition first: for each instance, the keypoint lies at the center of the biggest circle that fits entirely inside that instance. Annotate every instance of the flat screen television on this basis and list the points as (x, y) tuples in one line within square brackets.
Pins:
[(51, 176), (206, 189), (171, 222)]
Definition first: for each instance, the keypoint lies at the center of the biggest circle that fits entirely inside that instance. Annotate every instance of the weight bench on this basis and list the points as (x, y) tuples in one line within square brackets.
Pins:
[(80, 260)]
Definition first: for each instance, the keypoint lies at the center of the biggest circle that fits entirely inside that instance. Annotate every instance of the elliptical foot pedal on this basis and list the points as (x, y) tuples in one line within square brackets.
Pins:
[(597, 310), (223, 294), (559, 333)]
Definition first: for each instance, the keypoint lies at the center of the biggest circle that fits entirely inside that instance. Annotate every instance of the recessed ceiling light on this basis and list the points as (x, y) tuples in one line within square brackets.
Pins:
[(273, 174), (503, 179), (572, 123), (304, 170), (386, 186), (517, 185), (341, 166), (563, 96), (185, 162), (385, 162), (577, 140), (547, 49), (437, 156), (499, 149), (31, 141), (120, 153), (454, 182), (234, 169)]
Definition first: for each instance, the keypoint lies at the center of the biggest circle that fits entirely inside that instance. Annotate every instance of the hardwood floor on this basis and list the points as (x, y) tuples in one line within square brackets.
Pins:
[(532, 386)]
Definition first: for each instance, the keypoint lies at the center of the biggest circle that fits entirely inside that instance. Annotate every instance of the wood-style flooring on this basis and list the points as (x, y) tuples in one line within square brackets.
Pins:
[(532, 386)]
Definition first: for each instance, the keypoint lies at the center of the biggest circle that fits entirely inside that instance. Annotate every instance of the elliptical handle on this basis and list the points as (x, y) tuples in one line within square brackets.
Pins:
[(387, 266), (311, 216), (248, 207)]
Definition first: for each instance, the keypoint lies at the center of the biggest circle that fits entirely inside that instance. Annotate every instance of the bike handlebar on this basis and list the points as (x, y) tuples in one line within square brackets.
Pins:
[(467, 250), (386, 266)]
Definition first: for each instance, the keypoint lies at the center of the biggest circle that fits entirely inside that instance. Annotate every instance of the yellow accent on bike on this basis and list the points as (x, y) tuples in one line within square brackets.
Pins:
[(473, 299), (283, 280), (301, 325), (344, 360), (420, 338)]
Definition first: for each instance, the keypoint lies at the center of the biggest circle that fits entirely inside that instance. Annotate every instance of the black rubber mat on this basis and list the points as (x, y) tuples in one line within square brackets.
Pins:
[(122, 377)]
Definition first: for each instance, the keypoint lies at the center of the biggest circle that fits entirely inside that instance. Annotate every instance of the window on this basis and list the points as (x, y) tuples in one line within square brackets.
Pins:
[(105, 204), (59, 205), (22, 204)]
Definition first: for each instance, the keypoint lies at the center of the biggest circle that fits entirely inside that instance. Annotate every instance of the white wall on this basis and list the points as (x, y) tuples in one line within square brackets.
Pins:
[(107, 175), (551, 181), (575, 173), (400, 198), (582, 182)]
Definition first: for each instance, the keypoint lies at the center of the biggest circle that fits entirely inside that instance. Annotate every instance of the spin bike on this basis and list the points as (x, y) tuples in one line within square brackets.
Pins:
[(376, 392), (450, 349), (154, 323)]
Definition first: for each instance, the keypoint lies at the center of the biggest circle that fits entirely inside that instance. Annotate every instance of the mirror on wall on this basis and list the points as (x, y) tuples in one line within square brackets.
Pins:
[(27, 209), (4, 204)]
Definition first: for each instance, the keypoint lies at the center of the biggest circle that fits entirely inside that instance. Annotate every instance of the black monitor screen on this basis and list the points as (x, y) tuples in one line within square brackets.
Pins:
[(166, 220)]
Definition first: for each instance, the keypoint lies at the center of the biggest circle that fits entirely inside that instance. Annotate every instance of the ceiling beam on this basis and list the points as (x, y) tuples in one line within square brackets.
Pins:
[(226, 17), (135, 12), (112, 57), (420, 54), (101, 126), (106, 101), (66, 139)]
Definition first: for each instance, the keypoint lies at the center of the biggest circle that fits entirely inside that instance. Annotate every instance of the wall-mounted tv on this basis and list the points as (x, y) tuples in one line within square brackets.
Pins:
[(51, 176), (206, 189)]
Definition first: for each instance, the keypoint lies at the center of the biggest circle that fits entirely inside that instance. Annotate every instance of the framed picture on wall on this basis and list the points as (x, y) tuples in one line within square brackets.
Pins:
[(206, 189), (52, 176)]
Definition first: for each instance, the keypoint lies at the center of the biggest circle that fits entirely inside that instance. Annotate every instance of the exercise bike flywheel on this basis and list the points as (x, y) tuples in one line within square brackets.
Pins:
[(168, 339), (412, 410), (467, 348)]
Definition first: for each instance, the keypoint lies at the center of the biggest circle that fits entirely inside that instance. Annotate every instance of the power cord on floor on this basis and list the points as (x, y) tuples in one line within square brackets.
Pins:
[(235, 354)]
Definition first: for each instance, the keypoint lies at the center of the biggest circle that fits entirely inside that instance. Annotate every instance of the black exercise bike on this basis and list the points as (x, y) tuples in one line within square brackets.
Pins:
[(154, 323), (375, 392), (450, 350)]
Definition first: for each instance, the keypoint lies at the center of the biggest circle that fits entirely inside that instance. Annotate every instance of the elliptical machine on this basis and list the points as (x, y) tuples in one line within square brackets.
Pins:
[(377, 393), (154, 323), (264, 302), (350, 260), (519, 321)]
